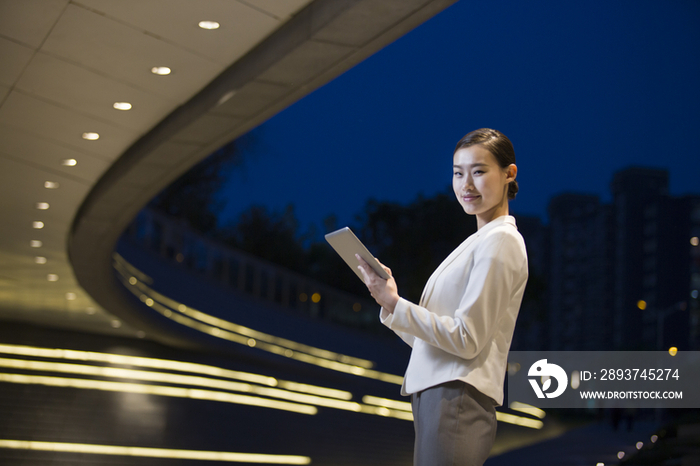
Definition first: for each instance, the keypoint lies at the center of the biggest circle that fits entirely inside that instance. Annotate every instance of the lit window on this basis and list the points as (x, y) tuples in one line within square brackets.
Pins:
[(91, 136), (122, 105)]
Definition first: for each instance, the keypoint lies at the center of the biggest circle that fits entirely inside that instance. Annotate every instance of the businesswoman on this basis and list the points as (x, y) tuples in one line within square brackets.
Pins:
[(461, 331)]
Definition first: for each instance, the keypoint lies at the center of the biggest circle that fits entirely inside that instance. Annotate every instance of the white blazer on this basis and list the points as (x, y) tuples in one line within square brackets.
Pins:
[(464, 324)]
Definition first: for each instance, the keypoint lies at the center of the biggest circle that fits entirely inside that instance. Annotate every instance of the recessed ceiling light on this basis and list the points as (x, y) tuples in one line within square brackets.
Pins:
[(122, 105), (40, 260), (35, 243), (70, 296), (90, 310), (209, 25), (91, 136), (225, 98), (42, 205), (160, 70), (38, 225), (52, 277), (116, 324), (50, 185), (69, 162)]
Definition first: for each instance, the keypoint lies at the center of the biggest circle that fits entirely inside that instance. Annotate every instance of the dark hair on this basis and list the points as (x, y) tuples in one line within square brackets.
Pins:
[(498, 144)]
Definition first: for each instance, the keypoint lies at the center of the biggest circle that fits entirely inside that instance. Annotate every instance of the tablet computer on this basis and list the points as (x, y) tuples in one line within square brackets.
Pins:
[(347, 245)]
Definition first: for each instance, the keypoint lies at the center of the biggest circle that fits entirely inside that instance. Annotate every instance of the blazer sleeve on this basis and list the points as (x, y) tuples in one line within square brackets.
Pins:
[(497, 270), (385, 317)]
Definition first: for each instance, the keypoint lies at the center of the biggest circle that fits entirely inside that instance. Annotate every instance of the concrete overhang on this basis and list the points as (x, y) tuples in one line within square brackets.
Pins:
[(65, 63)]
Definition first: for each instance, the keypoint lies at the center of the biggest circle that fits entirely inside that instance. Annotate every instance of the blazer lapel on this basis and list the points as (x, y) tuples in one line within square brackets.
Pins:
[(430, 286)]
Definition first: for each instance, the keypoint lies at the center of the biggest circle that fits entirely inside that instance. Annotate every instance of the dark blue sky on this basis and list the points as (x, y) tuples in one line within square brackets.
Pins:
[(582, 89)]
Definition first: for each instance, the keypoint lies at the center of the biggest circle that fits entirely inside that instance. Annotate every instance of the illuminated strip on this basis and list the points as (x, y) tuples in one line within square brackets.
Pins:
[(374, 405), (387, 403), (150, 376), (196, 394), (314, 390), (165, 364), (133, 280), (209, 319), (154, 452), (82, 369), (276, 349), (519, 420), (121, 263), (386, 412), (528, 409)]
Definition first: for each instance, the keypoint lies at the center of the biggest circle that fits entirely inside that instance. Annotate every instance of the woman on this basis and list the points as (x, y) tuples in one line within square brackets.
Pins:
[(462, 329)]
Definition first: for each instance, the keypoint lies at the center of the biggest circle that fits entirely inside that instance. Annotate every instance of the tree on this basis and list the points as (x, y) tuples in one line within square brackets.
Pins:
[(192, 197), (414, 239), (272, 236)]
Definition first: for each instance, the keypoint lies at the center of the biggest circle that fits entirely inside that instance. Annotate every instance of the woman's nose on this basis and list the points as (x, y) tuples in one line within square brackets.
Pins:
[(468, 183)]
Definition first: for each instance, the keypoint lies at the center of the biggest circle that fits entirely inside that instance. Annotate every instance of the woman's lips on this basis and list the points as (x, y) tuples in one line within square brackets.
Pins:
[(470, 197)]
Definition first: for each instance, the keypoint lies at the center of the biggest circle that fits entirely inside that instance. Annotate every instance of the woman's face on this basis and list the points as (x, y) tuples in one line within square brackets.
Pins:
[(480, 184)]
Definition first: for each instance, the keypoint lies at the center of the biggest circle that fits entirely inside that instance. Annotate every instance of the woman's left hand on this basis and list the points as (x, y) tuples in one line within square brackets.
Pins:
[(383, 291)]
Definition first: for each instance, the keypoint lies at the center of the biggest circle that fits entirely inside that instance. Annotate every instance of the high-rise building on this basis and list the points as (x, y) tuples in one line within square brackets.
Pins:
[(625, 276), (639, 195), (531, 331), (581, 278)]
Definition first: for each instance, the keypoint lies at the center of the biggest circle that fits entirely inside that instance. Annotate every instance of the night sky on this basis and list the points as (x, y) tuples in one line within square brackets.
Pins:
[(582, 89)]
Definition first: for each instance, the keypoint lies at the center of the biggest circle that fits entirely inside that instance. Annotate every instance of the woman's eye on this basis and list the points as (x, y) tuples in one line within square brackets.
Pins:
[(457, 174), (478, 172)]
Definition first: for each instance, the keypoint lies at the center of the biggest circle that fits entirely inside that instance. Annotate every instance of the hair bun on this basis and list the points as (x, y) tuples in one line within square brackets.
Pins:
[(512, 189)]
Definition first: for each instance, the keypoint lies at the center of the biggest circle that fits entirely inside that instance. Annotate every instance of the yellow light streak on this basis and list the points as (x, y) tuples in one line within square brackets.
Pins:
[(139, 361), (196, 394), (125, 268), (297, 392), (387, 403), (519, 420), (386, 412), (150, 376), (223, 456), (276, 349), (314, 390), (280, 346), (528, 409), (166, 364), (224, 324)]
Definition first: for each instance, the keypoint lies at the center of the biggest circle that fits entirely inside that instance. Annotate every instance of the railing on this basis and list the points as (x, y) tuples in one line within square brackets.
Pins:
[(175, 241)]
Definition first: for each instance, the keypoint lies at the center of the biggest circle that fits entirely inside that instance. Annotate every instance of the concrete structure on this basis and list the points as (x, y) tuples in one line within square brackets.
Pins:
[(64, 65)]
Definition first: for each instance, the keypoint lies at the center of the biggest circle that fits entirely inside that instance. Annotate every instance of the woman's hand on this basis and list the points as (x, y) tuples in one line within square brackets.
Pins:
[(383, 291)]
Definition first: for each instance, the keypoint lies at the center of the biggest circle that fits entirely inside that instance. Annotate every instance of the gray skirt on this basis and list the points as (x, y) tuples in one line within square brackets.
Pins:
[(455, 425)]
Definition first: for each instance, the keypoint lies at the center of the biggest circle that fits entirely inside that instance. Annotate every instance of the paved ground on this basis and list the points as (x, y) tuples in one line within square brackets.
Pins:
[(587, 445)]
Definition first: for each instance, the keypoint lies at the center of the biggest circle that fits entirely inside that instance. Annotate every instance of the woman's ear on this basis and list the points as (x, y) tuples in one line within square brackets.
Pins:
[(511, 172)]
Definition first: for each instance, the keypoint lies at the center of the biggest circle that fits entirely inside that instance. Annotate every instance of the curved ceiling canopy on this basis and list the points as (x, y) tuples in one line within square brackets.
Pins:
[(92, 125)]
